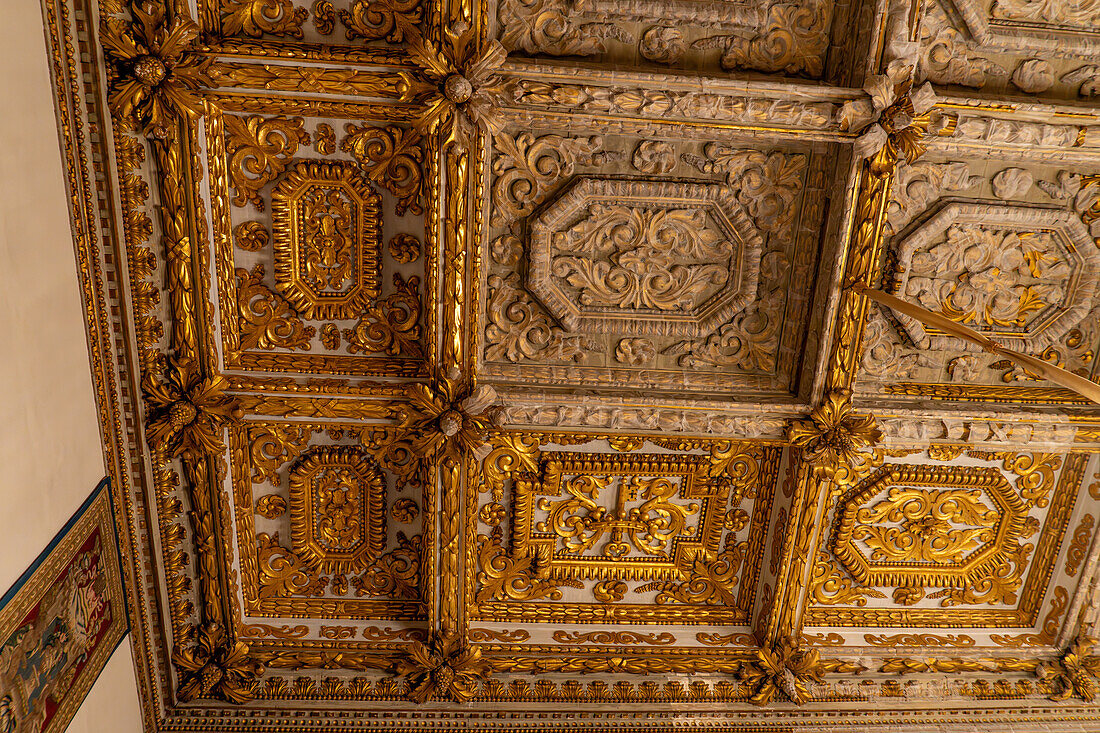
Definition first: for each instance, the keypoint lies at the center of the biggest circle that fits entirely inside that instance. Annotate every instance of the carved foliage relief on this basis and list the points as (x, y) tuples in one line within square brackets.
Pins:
[(1008, 47), (564, 532), (310, 232), (947, 538), (1021, 266), (773, 37), (651, 280), (328, 522)]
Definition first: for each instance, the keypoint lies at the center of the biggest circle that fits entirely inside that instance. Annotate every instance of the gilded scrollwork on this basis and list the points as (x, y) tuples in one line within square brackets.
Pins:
[(374, 19), (391, 157), (267, 321), (255, 18), (260, 149)]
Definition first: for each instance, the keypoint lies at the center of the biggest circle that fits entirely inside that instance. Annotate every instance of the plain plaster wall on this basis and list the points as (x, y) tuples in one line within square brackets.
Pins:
[(50, 454)]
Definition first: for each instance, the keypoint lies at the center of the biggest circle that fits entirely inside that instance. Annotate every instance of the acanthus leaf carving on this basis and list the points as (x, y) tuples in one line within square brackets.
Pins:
[(834, 438), (187, 412), (216, 668), (519, 328), (447, 667), (255, 18), (260, 149), (266, 320), (156, 77)]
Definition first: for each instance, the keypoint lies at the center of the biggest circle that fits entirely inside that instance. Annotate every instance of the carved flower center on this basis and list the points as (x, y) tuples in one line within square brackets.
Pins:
[(150, 70), (182, 413), (839, 440), (450, 422), (927, 527), (458, 88)]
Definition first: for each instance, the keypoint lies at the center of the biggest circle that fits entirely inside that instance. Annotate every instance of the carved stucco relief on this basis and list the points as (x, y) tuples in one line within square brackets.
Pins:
[(646, 282), (775, 36), (1010, 47), (1022, 266)]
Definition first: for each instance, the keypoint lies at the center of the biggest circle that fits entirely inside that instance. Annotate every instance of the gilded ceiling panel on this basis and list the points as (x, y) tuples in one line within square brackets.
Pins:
[(948, 537), (524, 364)]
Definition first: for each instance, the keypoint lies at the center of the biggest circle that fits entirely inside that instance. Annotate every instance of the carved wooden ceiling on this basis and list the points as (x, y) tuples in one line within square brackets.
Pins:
[(504, 365)]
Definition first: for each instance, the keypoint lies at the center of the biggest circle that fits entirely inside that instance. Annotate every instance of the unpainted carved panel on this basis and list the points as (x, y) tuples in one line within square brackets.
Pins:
[(1005, 247), (620, 263)]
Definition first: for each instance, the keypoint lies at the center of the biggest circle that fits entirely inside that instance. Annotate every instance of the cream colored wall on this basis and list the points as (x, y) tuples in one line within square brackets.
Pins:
[(50, 455), (112, 700)]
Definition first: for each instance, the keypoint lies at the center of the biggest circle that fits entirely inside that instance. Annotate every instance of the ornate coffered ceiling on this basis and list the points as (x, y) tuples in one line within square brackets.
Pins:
[(507, 365)]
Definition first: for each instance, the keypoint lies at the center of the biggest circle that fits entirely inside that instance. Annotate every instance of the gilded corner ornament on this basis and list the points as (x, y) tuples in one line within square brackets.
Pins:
[(216, 668), (156, 78), (450, 417), (447, 668), (834, 438), (893, 119), (784, 670), (462, 84), (186, 412), (1075, 673)]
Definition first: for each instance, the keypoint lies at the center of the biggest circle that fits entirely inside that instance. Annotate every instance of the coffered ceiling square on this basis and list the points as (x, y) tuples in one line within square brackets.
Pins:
[(683, 268), (948, 538), (1004, 246)]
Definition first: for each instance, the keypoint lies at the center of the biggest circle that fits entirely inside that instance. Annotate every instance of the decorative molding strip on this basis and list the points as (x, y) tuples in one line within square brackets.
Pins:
[(61, 621)]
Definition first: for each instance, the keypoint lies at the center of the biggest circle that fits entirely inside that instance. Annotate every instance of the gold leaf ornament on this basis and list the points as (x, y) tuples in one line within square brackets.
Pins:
[(187, 411), (447, 668), (1075, 674), (450, 417), (215, 668), (783, 670), (156, 78), (462, 93), (834, 438), (1044, 370)]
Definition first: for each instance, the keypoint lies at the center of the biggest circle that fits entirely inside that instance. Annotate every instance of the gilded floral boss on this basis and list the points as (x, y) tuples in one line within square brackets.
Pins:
[(450, 418), (834, 437), (187, 411), (157, 78)]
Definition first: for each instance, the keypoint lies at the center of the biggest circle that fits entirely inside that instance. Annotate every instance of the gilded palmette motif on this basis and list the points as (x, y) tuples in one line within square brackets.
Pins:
[(216, 668), (156, 76)]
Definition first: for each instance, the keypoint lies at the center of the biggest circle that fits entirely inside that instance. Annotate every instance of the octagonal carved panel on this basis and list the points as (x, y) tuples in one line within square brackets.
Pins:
[(337, 509), (328, 231), (1025, 274), (914, 526), (643, 257)]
